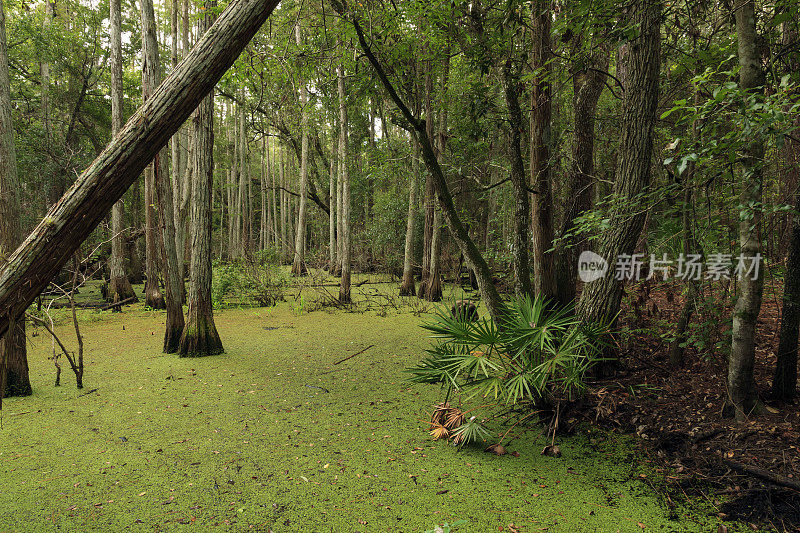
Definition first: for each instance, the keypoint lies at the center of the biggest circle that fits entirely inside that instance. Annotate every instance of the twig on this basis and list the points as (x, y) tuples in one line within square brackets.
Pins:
[(764, 475), (355, 354)]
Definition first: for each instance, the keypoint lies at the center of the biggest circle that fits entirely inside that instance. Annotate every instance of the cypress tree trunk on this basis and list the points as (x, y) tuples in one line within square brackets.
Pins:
[(344, 284), (332, 210), (14, 379), (152, 292), (263, 234), (742, 394), (430, 198), (299, 261), (173, 279), (273, 199), (407, 287), (601, 298), (119, 287), (200, 337), (339, 218)]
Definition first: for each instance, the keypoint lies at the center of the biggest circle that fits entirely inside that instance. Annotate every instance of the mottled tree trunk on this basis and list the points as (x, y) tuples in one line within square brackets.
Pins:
[(587, 88), (119, 287), (200, 335), (784, 384), (519, 184), (742, 393), (601, 298), (344, 284), (14, 380), (540, 141), (173, 278)]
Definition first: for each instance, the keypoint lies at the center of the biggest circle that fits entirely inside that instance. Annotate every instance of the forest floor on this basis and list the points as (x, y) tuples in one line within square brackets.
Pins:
[(275, 435), (679, 411)]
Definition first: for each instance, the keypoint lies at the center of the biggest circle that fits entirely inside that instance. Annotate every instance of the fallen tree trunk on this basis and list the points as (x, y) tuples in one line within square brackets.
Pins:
[(70, 221)]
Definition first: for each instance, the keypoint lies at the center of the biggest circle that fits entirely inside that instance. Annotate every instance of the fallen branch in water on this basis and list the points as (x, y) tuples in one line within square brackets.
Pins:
[(355, 354)]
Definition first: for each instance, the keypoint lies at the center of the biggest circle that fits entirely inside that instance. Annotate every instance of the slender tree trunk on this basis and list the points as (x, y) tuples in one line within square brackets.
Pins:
[(284, 211), (332, 210), (152, 293), (263, 233), (299, 261), (119, 287), (588, 84), (339, 216), (784, 384), (434, 289), (407, 287), (475, 260), (14, 379), (430, 191), (273, 198), (200, 335), (344, 284), (601, 298), (540, 141), (742, 392), (173, 278)]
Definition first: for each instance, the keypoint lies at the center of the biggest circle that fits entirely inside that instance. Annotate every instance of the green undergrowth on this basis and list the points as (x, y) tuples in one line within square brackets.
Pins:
[(274, 435)]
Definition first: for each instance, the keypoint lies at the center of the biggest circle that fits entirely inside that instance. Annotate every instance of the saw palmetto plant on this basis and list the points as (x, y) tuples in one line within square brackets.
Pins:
[(534, 357)]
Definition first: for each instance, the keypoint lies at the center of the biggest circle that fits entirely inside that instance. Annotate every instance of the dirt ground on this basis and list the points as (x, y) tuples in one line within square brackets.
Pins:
[(678, 413)]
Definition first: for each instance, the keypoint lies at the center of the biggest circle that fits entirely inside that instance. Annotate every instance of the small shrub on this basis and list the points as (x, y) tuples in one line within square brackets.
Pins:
[(534, 359), (258, 279)]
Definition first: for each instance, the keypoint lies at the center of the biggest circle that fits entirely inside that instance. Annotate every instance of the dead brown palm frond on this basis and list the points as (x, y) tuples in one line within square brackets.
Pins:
[(440, 412), (439, 432), (455, 418)]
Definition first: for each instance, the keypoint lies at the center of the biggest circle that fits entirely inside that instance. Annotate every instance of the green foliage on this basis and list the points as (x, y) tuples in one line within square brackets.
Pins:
[(258, 279), (535, 355)]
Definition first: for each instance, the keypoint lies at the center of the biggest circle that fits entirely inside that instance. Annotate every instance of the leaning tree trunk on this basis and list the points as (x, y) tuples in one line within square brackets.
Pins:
[(88, 201), (742, 394), (200, 335), (407, 287), (588, 84), (14, 380), (601, 298), (344, 284), (173, 278), (299, 261), (475, 260), (119, 287), (540, 142)]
